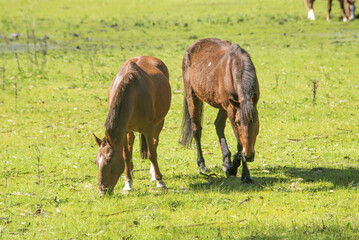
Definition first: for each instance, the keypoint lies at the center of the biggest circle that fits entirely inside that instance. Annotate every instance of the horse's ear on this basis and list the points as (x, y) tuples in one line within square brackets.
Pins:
[(254, 99), (98, 141)]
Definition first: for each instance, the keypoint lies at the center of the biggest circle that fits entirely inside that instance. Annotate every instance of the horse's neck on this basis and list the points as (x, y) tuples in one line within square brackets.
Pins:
[(119, 115)]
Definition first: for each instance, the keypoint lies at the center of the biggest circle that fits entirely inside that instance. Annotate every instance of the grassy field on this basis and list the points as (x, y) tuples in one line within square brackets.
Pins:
[(53, 96)]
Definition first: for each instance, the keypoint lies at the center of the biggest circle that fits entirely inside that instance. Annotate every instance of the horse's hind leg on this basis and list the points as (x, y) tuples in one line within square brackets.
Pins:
[(343, 10), (127, 154), (330, 9), (152, 138), (220, 124), (309, 4), (195, 112)]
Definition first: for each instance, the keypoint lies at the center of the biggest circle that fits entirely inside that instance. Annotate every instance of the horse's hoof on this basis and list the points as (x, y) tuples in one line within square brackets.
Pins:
[(203, 169), (225, 167), (237, 158), (127, 189), (161, 184), (128, 185), (231, 172), (247, 180)]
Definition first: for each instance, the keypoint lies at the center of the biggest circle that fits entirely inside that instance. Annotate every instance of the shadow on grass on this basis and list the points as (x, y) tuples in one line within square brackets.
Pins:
[(339, 178), (231, 184)]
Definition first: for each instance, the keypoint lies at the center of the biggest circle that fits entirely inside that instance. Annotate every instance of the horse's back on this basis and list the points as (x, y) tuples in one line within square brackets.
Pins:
[(151, 65), (205, 50), (153, 88), (204, 68)]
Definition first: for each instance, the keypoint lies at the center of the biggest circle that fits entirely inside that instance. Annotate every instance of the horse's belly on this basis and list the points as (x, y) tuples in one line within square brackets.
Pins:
[(207, 92), (152, 109), (209, 97)]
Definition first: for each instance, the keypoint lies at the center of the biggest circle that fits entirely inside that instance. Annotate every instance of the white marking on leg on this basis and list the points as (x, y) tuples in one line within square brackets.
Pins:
[(311, 15), (152, 173), (128, 185)]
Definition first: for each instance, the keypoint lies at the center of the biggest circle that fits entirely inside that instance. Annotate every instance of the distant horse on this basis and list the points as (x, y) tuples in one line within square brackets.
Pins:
[(139, 99), (222, 75), (347, 9)]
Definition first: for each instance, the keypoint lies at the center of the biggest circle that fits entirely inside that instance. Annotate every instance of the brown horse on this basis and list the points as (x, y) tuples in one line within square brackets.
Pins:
[(345, 6), (222, 75), (139, 99)]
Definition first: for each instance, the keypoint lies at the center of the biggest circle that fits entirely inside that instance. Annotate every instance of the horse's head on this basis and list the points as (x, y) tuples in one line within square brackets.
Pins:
[(247, 123), (110, 165), (243, 96)]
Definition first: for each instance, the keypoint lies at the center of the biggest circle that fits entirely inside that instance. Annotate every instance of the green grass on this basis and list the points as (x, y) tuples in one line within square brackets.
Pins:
[(307, 161)]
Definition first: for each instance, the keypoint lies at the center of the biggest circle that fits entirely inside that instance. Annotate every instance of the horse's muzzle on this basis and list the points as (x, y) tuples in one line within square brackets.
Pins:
[(248, 159), (104, 191)]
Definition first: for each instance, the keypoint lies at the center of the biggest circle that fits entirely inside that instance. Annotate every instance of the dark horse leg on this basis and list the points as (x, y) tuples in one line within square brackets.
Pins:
[(195, 111), (220, 124), (344, 7), (238, 158), (329, 9)]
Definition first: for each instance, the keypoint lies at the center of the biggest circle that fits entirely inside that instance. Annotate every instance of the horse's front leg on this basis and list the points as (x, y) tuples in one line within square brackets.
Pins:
[(127, 154), (330, 9), (238, 157), (220, 124)]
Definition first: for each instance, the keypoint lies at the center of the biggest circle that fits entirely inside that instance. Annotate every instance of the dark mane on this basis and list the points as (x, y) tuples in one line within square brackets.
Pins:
[(246, 78), (133, 71)]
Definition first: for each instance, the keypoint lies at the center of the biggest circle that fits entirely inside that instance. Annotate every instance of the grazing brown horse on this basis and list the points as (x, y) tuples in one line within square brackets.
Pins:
[(139, 99), (222, 75), (345, 6)]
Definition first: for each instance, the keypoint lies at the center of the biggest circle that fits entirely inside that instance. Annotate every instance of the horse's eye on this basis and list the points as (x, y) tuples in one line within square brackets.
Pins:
[(235, 103)]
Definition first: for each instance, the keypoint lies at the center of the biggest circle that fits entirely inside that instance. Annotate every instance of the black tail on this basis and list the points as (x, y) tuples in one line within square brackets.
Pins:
[(187, 132), (143, 147)]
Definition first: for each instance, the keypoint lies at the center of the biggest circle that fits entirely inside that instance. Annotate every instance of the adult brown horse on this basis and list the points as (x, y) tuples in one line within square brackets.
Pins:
[(222, 75), (139, 99), (347, 9)]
